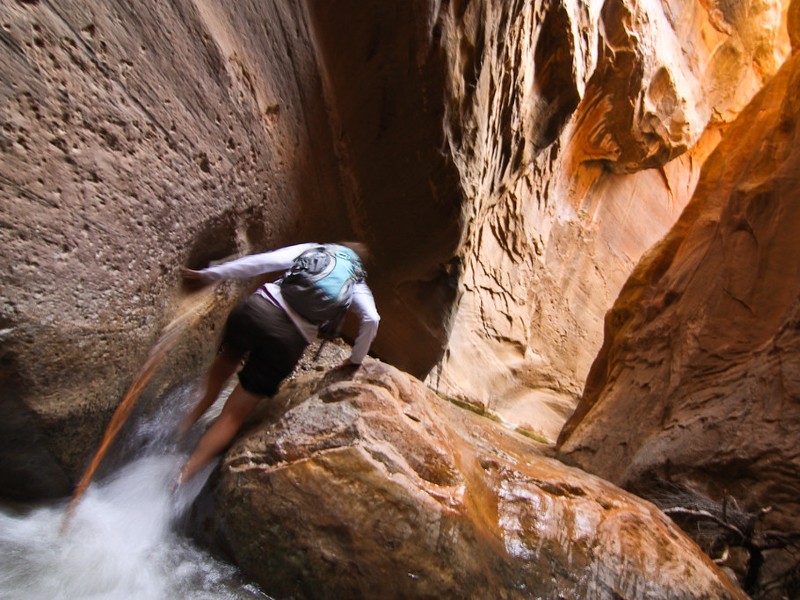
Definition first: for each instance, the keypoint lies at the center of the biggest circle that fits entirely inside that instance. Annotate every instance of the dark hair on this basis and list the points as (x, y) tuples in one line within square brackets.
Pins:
[(359, 248)]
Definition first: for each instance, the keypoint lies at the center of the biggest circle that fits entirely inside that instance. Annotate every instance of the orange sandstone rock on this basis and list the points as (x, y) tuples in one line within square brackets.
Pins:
[(374, 487), (694, 399)]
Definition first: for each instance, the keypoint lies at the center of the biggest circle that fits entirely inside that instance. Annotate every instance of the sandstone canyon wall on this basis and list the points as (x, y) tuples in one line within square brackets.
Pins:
[(694, 399), (508, 162), (137, 138), (508, 165), (578, 130)]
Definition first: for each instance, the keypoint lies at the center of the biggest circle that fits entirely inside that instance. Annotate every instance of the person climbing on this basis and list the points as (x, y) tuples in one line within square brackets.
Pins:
[(271, 328)]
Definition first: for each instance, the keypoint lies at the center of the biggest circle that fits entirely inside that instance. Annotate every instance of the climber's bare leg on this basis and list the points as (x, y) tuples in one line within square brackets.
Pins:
[(220, 372), (240, 404)]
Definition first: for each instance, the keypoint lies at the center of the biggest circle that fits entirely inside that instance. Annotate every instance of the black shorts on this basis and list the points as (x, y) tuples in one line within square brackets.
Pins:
[(268, 338)]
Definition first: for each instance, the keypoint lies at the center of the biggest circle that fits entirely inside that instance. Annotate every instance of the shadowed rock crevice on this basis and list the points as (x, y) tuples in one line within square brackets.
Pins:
[(386, 110), (31, 470), (216, 241), (553, 59)]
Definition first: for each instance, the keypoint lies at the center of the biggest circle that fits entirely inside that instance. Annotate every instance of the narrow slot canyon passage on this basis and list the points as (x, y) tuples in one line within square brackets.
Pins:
[(581, 220)]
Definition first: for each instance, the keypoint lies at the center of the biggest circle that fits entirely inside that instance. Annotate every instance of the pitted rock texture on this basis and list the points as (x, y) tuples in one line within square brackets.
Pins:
[(140, 138), (368, 485), (136, 139), (578, 130), (694, 400)]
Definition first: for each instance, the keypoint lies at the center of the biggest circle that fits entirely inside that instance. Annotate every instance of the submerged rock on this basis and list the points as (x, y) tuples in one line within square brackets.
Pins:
[(367, 484)]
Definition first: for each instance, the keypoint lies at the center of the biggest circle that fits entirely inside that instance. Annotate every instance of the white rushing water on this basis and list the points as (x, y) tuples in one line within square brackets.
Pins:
[(122, 540)]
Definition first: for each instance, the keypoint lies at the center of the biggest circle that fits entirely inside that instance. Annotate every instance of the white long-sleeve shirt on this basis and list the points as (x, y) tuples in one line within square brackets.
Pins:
[(280, 260)]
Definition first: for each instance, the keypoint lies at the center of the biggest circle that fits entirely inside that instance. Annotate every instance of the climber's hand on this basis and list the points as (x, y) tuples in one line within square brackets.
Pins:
[(195, 279), (346, 365)]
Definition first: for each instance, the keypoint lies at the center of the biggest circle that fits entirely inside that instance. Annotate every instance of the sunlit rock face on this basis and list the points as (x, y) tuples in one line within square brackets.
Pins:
[(694, 400), (370, 486), (578, 130)]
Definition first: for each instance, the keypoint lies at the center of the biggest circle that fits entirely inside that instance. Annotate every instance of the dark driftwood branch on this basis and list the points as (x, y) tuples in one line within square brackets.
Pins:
[(705, 515)]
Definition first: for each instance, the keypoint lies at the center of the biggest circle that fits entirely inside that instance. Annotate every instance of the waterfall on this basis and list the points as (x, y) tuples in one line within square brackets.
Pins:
[(123, 540)]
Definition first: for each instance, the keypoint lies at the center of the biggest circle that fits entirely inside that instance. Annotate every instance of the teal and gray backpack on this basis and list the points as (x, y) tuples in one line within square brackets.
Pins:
[(319, 285)]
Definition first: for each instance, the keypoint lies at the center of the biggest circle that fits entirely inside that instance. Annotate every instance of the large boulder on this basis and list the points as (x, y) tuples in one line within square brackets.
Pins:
[(368, 485), (694, 399)]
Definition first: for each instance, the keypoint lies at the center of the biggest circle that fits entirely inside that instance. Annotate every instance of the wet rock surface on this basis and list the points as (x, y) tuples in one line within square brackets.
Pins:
[(367, 484)]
